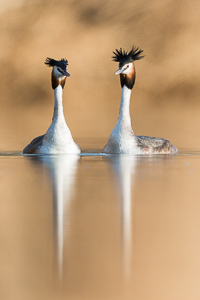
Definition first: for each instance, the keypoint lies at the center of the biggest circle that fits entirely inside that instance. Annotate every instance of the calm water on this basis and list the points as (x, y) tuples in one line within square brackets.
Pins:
[(100, 227)]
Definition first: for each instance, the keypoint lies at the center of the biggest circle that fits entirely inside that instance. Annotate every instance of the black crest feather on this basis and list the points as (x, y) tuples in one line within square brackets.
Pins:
[(124, 57), (59, 63)]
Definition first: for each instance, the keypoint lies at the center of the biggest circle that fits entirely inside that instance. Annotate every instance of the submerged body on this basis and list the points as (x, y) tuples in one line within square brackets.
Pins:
[(58, 138), (122, 139)]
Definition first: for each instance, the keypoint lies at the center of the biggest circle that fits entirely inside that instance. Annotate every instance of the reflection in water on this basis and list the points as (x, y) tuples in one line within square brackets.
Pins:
[(124, 167), (62, 170), (100, 251)]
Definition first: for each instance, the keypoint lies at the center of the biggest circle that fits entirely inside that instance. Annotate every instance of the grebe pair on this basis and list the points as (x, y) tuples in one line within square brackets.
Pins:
[(58, 138)]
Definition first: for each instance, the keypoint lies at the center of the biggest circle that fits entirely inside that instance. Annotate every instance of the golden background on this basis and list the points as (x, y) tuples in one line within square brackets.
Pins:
[(165, 99), (164, 243)]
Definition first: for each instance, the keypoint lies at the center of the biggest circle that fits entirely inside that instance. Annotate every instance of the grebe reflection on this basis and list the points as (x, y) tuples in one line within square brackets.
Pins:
[(124, 168), (62, 171)]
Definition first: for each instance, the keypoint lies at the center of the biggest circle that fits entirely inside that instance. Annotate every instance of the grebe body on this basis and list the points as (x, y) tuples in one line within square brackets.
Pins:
[(58, 138), (122, 139)]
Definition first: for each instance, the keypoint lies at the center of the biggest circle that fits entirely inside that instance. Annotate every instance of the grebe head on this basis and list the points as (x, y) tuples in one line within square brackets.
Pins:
[(59, 72), (126, 65)]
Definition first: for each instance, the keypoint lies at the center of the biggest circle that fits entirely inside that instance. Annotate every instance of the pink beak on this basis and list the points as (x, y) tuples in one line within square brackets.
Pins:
[(118, 71), (66, 74)]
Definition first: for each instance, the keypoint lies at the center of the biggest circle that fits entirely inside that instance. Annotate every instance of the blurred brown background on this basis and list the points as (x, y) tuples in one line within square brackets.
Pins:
[(165, 100)]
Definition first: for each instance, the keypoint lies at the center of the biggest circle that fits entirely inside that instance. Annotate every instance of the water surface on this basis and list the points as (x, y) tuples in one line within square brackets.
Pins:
[(100, 227)]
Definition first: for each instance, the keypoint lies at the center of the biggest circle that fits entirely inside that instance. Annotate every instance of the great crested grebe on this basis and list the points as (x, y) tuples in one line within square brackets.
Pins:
[(58, 138), (122, 139)]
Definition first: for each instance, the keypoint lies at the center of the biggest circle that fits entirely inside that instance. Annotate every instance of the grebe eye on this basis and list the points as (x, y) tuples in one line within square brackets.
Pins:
[(127, 66)]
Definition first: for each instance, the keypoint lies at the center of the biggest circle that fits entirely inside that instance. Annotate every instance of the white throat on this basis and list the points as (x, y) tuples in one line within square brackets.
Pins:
[(124, 111), (58, 105)]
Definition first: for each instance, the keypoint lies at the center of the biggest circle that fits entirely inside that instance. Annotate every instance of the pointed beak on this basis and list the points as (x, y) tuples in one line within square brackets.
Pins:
[(66, 74), (118, 71)]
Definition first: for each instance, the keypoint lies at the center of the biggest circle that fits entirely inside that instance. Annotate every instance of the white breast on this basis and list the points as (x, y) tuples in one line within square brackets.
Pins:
[(58, 139)]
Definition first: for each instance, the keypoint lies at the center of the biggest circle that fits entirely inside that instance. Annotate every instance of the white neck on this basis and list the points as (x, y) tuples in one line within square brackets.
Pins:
[(124, 111), (58, 138), (58, 105), (122, 139)]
